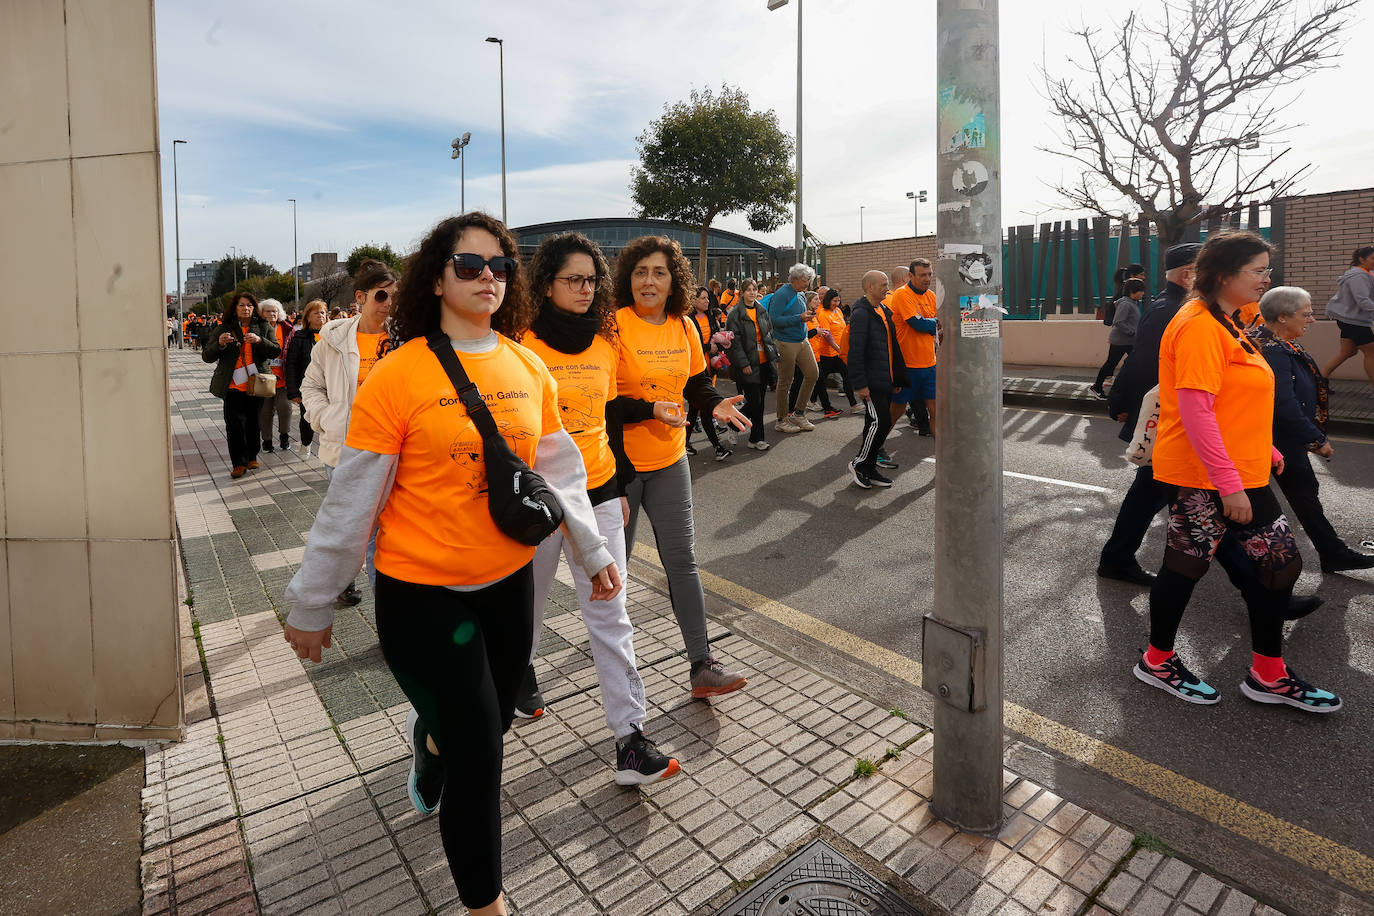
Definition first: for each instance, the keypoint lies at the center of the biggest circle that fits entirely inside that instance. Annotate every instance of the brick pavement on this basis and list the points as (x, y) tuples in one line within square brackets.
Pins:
[(288, 794)]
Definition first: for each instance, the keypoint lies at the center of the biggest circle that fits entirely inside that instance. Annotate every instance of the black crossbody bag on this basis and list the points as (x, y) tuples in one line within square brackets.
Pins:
[(520, 502)]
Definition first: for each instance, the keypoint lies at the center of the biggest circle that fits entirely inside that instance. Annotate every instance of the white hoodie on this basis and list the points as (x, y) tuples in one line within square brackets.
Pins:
[(330, 384)]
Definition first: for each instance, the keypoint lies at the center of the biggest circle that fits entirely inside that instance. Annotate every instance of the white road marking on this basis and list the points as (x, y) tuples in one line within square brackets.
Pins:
[(1063, 483)]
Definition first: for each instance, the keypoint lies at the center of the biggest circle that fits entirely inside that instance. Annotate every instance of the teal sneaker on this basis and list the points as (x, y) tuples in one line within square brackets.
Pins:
[(426, 782), (1291, 691), (1174, 677)]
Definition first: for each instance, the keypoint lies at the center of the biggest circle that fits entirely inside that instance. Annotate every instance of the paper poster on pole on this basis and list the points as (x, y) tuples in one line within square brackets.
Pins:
[(980, 316)]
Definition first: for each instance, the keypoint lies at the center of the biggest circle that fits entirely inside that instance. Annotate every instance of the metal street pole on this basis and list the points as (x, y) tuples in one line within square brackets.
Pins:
[(460, 145), (916, 198), (799, 239), (295, 258), (861, 224), (962, 637), (176, 207), (502, 52)]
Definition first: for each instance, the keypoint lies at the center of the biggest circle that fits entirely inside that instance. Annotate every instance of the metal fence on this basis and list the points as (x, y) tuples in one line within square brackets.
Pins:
[(1067, 269)]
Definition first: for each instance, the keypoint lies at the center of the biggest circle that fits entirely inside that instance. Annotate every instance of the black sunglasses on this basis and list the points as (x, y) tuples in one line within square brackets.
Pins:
[(469, 266)]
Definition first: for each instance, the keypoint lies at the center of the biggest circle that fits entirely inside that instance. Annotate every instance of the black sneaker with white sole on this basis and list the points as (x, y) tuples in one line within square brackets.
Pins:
[(529, 702), (722, 453), (1174, 677), (426, 782), (878, 480), (639, 762), (860, 477)]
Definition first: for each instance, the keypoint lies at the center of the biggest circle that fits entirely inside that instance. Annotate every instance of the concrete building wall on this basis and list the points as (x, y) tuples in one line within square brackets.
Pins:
[(1320, 233), (88, 599), (845, 265)]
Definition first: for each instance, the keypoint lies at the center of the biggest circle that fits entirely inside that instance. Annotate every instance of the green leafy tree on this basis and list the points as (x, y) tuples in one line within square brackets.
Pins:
[(382, 253), (232, 271), (712, 156)]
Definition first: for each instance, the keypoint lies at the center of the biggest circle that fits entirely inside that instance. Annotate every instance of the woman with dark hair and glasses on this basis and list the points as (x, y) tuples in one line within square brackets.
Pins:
[(661, 361), (241, 345), (573, 332), (1215, 447), (454, 593)]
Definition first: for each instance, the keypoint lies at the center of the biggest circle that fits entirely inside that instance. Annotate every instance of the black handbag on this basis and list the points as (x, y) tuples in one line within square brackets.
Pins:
[(520, 502)]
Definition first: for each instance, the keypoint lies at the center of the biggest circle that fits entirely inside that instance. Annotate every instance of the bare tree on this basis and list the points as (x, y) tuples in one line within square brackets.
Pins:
[(1158, 109), (335, 289)]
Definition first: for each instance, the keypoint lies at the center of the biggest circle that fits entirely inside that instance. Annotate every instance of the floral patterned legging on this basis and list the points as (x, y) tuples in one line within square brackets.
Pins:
[(1197, 522)]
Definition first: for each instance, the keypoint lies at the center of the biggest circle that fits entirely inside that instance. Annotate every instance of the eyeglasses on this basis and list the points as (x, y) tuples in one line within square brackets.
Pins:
[(468, 266), (1259, 271), (577, 283)]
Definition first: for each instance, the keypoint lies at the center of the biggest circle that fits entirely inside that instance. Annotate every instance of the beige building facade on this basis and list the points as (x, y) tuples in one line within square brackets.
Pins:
[(88, 597)]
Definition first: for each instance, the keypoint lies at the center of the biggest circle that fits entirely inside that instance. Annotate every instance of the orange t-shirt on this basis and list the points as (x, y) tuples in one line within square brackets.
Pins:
[(278, 366), (705, 324), (367, 353), (727, 298), (655, 363), (435, 528), (586, 383), (245, 359), (758, 334), (918, 350), (1198, 352), (831, 320)]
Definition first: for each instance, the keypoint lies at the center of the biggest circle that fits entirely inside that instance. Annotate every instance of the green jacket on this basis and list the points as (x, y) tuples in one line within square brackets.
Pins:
[(227, 356)]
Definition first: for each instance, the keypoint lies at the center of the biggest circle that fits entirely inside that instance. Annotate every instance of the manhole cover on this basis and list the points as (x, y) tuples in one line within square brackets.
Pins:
[(819, 881)]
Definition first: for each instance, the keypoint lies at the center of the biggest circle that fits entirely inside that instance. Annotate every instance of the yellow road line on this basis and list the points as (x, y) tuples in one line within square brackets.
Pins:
[(1349, 866)]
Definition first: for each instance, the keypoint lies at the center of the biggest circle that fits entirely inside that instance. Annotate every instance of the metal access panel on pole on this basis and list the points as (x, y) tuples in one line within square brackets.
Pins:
[(962, 637)]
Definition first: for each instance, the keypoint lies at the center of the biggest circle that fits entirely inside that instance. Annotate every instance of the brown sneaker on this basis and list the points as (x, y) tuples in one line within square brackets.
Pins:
[(710, 679), (252, 465), (238, 471)]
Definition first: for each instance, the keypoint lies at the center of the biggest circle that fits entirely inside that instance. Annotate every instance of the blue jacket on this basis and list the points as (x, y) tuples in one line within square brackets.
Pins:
[(785, 306), (1297, 382), (869, 366)]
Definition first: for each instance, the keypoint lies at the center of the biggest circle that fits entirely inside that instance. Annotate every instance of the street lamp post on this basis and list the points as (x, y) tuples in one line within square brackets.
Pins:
[(776, 5), (176, 209), (1249, 141), (502, 46), (295, 258), (917, 198), (235, 261), (459, 145), (861, 224)]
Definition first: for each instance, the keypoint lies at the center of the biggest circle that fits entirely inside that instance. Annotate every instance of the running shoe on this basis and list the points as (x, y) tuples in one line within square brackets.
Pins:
[(799, 420), (639, 762), (711, 679), (833, 414), (1175, 678), (878, 480), (690, 449), (787, 424), (426, 780), (885, 461), (529, 702), (860, 477), (350, 596), (1292, 691), (722, 453), (857, 408), (267, 446), (760, 446), (1098, 391), (285, 443)]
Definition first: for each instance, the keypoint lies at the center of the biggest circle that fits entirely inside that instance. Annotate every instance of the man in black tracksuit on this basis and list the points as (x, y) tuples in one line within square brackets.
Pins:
[(876, 370)]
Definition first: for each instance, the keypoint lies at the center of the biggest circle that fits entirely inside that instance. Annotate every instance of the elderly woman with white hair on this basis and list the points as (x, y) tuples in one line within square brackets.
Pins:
[(270, 310), (788, 309), (1300, 408)]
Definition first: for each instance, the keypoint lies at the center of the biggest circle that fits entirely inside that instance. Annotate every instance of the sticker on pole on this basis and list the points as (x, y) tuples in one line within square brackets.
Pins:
[(980, 316)]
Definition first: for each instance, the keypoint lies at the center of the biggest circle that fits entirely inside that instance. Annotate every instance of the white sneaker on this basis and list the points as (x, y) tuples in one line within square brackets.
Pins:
[(787, 425), (803, 424), (760, 446), (858, 408)]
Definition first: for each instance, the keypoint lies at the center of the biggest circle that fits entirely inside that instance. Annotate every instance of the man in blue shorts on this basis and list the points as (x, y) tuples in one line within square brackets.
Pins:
[(913, 307)]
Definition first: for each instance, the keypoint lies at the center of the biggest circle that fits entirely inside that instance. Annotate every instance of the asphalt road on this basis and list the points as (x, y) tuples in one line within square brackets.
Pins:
[(787, 523)]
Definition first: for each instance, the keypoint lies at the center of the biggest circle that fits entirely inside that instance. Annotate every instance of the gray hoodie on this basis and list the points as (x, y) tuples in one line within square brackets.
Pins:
[(1354, 299)]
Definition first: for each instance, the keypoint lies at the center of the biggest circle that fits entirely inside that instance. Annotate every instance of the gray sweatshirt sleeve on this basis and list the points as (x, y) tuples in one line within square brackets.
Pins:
[(559, 462), (337, 545)]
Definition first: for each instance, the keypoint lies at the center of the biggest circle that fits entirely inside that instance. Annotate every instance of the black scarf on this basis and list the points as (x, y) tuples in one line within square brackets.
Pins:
[(565, 331)]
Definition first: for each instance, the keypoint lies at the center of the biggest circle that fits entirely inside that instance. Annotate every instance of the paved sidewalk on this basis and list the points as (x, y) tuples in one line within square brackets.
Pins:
[(288, 794)]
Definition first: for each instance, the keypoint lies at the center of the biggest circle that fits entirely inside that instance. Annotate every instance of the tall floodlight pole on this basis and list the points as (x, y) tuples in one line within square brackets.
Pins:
[(295, 258), (962, 637), (917, 198), (800, 240), (459, 145), (176, 218), (501, 45)]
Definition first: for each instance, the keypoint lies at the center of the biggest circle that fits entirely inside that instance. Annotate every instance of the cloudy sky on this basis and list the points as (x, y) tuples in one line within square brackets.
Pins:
[(350, 105)]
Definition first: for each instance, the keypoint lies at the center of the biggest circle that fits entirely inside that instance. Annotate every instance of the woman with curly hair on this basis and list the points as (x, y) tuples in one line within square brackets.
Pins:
[(1215, 446), (661, 361), (455, 594), (573, 332)]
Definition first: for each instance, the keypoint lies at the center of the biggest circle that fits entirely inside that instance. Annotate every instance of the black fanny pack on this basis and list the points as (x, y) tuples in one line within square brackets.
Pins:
[(520, 502)]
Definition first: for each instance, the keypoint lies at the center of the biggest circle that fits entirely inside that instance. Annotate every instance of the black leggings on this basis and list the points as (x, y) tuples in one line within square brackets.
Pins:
[(753, 402), (708, 423), (459, 657), (1270, 567), (1114, 354)]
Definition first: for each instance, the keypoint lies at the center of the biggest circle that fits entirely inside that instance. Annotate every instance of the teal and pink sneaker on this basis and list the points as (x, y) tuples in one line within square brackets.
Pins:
[(1292, 691), (1174, 677)]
